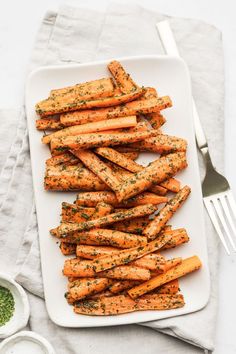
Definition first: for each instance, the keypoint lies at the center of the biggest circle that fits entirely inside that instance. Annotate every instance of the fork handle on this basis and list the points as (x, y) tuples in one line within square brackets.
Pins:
[(169, 44)]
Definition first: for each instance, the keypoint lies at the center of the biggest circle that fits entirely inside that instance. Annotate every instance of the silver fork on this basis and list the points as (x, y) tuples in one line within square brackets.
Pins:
[(217, 195)]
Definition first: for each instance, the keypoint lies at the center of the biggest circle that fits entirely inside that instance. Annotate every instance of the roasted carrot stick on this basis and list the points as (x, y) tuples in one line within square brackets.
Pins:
[(121, 285), (86, 141), (135, 226), (48, 124), (98, 167), (66, 228), (169, 288), (73, 213), (94, 127), (162, 144), (178, 237), (67, 248), (105, 237), (92, 89), (67, 159), (122, 78), (84, 287), (77, 177), (105, 293), (92, 252), (160, 301), (187, 266), (155, 119), (131, 155), (91, 199), (123, 304), (171, 184), (81, 269), (132, 166), (164, 215), (119, 159), (127, 109), (156, 172), (127, 256), (68, 102), (101, 209), (170, 263), (154, 262)]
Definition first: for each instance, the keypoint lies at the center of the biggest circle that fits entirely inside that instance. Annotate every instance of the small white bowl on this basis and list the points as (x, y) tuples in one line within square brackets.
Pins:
[(26, 342), (21, 312)]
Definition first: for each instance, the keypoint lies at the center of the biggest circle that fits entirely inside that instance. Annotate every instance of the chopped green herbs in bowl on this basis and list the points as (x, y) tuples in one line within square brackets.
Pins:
[(7, 305), (14, 306)]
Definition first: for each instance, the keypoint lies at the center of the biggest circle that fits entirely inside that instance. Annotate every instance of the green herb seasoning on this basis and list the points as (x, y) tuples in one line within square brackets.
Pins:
[(7, 305)]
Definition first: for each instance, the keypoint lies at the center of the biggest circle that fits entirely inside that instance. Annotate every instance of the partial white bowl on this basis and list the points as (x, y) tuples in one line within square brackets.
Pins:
[(26, 342), (21, 313)]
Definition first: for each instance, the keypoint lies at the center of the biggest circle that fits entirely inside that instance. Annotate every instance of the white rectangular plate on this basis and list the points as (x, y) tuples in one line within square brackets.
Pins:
[(169, 76)]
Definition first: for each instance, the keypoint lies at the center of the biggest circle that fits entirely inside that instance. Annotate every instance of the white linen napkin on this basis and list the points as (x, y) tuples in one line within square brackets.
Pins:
[(79, 35)]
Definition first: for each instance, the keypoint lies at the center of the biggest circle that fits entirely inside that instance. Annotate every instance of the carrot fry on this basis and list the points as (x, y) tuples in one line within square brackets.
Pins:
[(104, 293), (102, 209), (123, 304), (68, 102), (127, 109), (92, 140), (91, 199), (188, 265), (155, 119), (141, 210), (170, 263), (67, 159), (92, 89), (155, 172), (77, 177), (132, 166), (98, 167), (92, 252), (178, 237), (171, 184), (121, 285), (73, 213), (169, 288), (105, 237), (119, 159), (122, 78), (127, 256), (81, 269), (100, 295), (84, 287), (164, 215), (153, 261), (48, 124), (94, 127), (160, 301), (67, 248), (133, 155), (162, 144), (135, 226)]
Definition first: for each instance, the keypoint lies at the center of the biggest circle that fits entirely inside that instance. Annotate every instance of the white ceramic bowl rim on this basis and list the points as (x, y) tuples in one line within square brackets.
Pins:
[(22, 311), (32, 336)]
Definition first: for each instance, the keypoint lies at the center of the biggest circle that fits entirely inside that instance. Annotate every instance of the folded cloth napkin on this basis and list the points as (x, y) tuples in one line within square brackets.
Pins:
[(79, 35)]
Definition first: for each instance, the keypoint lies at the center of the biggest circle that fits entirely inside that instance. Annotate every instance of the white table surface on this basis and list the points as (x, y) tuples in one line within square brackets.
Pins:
[(19, 22)]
